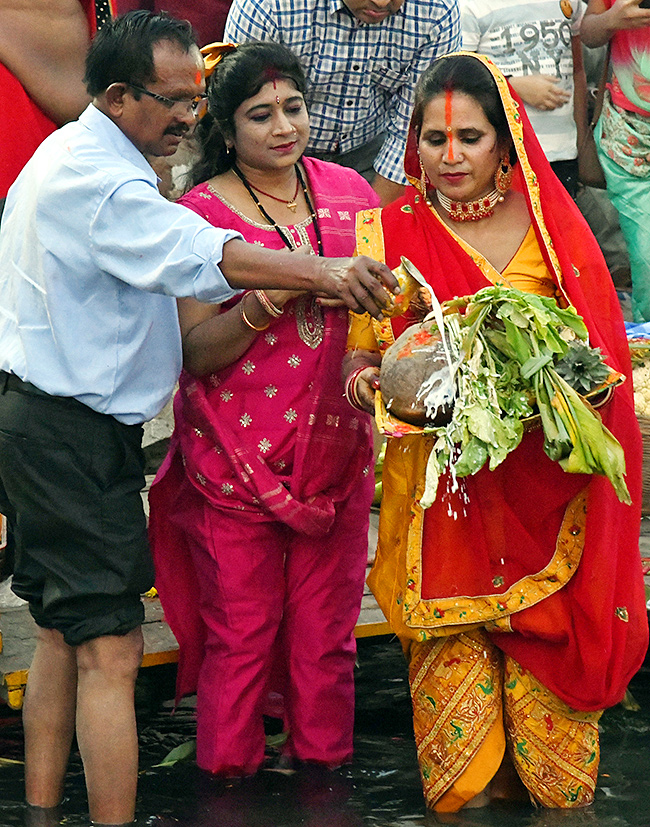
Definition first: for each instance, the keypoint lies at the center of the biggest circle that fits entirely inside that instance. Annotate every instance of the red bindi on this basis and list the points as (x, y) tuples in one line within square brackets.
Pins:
[(450, 152), (198, 77)]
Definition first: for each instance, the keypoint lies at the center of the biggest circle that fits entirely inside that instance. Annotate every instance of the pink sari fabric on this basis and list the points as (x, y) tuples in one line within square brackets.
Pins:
[(270, 436)]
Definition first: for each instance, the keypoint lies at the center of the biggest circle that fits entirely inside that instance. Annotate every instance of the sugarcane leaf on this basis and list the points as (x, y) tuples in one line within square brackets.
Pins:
[(596, 449), (499, 339)]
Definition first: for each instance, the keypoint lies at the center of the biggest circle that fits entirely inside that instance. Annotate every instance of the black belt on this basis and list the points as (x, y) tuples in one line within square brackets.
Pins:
[(10, 382)]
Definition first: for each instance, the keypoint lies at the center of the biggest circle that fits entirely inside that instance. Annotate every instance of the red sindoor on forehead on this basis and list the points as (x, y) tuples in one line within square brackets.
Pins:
[(450, 151)]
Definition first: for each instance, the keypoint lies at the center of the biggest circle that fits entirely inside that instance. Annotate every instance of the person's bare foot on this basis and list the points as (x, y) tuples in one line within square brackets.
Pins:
[(480, 800), (506, 784)]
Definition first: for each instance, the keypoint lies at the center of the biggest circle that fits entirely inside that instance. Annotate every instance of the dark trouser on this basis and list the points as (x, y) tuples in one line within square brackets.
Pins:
[(70, 482), (567, 172)]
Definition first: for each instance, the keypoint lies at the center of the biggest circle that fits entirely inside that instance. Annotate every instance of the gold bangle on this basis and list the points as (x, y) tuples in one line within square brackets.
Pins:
[(245, 318), (267, 304)]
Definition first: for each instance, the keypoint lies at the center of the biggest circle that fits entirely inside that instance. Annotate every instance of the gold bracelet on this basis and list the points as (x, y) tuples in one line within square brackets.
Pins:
[(245, 318)]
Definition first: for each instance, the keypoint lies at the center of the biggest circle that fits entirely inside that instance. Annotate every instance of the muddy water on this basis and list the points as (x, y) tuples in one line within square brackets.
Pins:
[(381, 789)]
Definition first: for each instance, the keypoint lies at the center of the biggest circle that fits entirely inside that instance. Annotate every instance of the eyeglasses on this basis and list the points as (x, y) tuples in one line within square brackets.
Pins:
[(197, 104)]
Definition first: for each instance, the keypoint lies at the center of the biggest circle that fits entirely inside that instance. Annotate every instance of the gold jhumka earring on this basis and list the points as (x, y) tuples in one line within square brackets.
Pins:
[(503, 175)]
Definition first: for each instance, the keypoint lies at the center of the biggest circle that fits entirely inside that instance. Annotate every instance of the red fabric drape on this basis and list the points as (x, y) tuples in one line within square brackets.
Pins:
[(208, 19)]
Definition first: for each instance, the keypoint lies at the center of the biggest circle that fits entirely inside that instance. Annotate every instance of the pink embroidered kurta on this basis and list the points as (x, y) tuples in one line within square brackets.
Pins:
[(270, 441)]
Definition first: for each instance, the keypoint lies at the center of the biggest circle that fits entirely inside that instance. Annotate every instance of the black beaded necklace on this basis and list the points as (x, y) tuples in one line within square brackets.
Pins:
[(274, 224)]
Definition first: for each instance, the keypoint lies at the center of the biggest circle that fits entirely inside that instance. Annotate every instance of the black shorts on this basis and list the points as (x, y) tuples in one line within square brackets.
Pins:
[(70, 483)]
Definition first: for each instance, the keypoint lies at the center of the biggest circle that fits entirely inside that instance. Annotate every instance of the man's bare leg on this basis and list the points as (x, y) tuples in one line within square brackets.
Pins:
[(106, 727), (49, 718)]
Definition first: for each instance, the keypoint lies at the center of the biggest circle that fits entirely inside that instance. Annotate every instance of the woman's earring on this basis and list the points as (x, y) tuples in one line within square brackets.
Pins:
[(504, 173), (424, 178)]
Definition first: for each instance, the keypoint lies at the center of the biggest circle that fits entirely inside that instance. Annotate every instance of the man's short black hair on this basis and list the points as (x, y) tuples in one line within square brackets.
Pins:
[(122, 51)]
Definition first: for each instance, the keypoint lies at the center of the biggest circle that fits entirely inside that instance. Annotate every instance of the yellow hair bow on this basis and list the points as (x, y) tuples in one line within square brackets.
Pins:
[(213, 53)]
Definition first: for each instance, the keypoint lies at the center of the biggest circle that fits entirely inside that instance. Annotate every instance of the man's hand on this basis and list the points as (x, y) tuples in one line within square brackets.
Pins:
[(541, 91), (358, 283)]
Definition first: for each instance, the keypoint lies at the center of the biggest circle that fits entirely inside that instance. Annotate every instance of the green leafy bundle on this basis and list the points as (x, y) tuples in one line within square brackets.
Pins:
[(510, 350)]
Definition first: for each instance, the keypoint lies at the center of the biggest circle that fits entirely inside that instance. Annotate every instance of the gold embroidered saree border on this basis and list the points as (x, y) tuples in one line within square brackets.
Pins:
[(370, 242), (489, 610)]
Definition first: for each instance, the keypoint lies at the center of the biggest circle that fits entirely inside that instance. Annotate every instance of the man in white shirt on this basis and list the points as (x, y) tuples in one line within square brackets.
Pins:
[(91, 257)]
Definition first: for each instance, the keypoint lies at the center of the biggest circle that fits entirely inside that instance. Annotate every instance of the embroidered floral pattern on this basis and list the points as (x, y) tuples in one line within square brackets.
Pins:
[(294, 361), (227, 488), (625, 138), (226, 396), (245, 420), (462, 687), (270, 391), (248, 367), (291, 415), (264, 445), (271, 339)]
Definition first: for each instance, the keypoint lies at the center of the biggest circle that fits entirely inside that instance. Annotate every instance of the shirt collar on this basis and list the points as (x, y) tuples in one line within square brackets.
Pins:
[(113, 138)]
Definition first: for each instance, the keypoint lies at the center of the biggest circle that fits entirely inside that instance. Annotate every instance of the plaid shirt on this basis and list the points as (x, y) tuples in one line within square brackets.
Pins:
[(361, 77)]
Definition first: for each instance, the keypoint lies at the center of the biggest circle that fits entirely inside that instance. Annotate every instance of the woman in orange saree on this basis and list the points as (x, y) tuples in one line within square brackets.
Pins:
[(517, 595)]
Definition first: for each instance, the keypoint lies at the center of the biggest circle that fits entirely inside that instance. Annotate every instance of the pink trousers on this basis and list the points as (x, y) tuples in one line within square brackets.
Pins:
[(278, 607)]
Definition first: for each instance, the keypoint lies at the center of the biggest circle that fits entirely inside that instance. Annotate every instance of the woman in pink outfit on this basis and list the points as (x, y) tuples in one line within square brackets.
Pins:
[(259, 515)]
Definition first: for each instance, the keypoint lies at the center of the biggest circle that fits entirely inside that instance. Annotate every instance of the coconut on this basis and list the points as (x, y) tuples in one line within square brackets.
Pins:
[(415, 377)]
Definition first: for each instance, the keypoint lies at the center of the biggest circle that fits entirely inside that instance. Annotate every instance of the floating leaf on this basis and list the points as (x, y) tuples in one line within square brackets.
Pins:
[(183, 752)]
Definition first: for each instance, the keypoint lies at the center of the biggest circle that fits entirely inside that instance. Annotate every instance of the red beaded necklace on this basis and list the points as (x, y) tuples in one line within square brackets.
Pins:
[(470, 210), (292, 204)]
